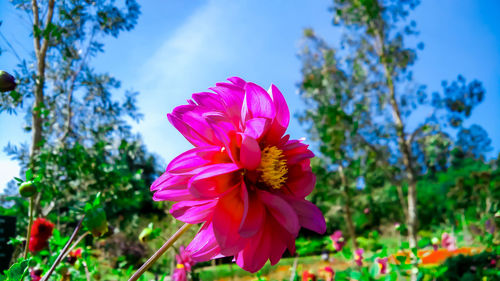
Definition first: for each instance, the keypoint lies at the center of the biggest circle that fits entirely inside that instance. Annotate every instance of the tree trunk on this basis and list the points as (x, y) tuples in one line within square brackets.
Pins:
[(41, 53), (405, 149), (347, 207)]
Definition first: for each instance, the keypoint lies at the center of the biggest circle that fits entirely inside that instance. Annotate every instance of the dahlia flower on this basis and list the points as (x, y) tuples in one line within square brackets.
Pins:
[(382, 265), (358, 256), (337, 240), (41, 231), (245, 180), (184, 265)]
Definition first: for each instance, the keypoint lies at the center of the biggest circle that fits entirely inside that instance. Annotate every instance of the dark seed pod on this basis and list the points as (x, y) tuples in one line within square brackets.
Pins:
[(7, 82)]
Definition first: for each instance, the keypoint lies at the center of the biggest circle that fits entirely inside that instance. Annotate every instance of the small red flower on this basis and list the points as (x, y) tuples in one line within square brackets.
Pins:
[(74, 255), (41, 231), (308, 276)]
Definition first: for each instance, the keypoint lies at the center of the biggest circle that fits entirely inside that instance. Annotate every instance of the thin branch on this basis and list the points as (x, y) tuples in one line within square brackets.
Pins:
[(10, 47), (87, 273), (30, 224), (72, 89), (76, 242), (63, 252), (160, 252)]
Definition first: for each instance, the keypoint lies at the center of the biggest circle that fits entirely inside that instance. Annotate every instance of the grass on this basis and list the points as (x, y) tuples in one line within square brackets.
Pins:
[(211, 273)]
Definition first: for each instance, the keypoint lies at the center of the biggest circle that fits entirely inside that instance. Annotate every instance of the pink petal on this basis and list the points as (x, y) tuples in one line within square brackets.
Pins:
[(204, 246), (171, 188), (309, 215), (256, 252), (301, 183), (280, 122), (256, 127), (173, 195), (258, 102), (233, 99), (193, 158), (237, 81), (296, 151), (162, 181), (253, 214), (208, 183), (282, 112), (279, 246), (193, 211), (188, 132), (226, 219), (209, 100), (250, 153), (281, 211), (228, 138)]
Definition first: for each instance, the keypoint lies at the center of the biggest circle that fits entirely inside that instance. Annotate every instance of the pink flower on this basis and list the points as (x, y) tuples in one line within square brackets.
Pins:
[(382, 265), (358, 256), (337, 240), (328, 273), (36, 274), (245, 180), (180, 273), (184, 265), (448, 242)]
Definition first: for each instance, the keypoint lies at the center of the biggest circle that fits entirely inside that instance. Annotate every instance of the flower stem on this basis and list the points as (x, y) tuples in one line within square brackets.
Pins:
[(160, 252), (76, 243), (30, 223), (64, 251)]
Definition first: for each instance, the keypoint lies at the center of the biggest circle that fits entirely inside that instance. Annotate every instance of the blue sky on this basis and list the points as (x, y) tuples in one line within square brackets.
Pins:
[(180, 47)]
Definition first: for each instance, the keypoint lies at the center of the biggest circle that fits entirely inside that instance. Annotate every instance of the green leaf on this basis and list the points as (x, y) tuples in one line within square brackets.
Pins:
[(17, 271), (346, 252), (29, 175), (95, 217), (374, 269), (355, 275), (401, 259), (36, 31), (422, 243)]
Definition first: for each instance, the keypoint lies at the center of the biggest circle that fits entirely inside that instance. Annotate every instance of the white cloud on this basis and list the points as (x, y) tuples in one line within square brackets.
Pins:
[(188, 61), (9, 169)]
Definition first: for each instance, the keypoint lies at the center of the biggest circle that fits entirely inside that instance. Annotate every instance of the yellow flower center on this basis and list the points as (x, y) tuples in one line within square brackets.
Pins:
[(273, 167), (180, 266)]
